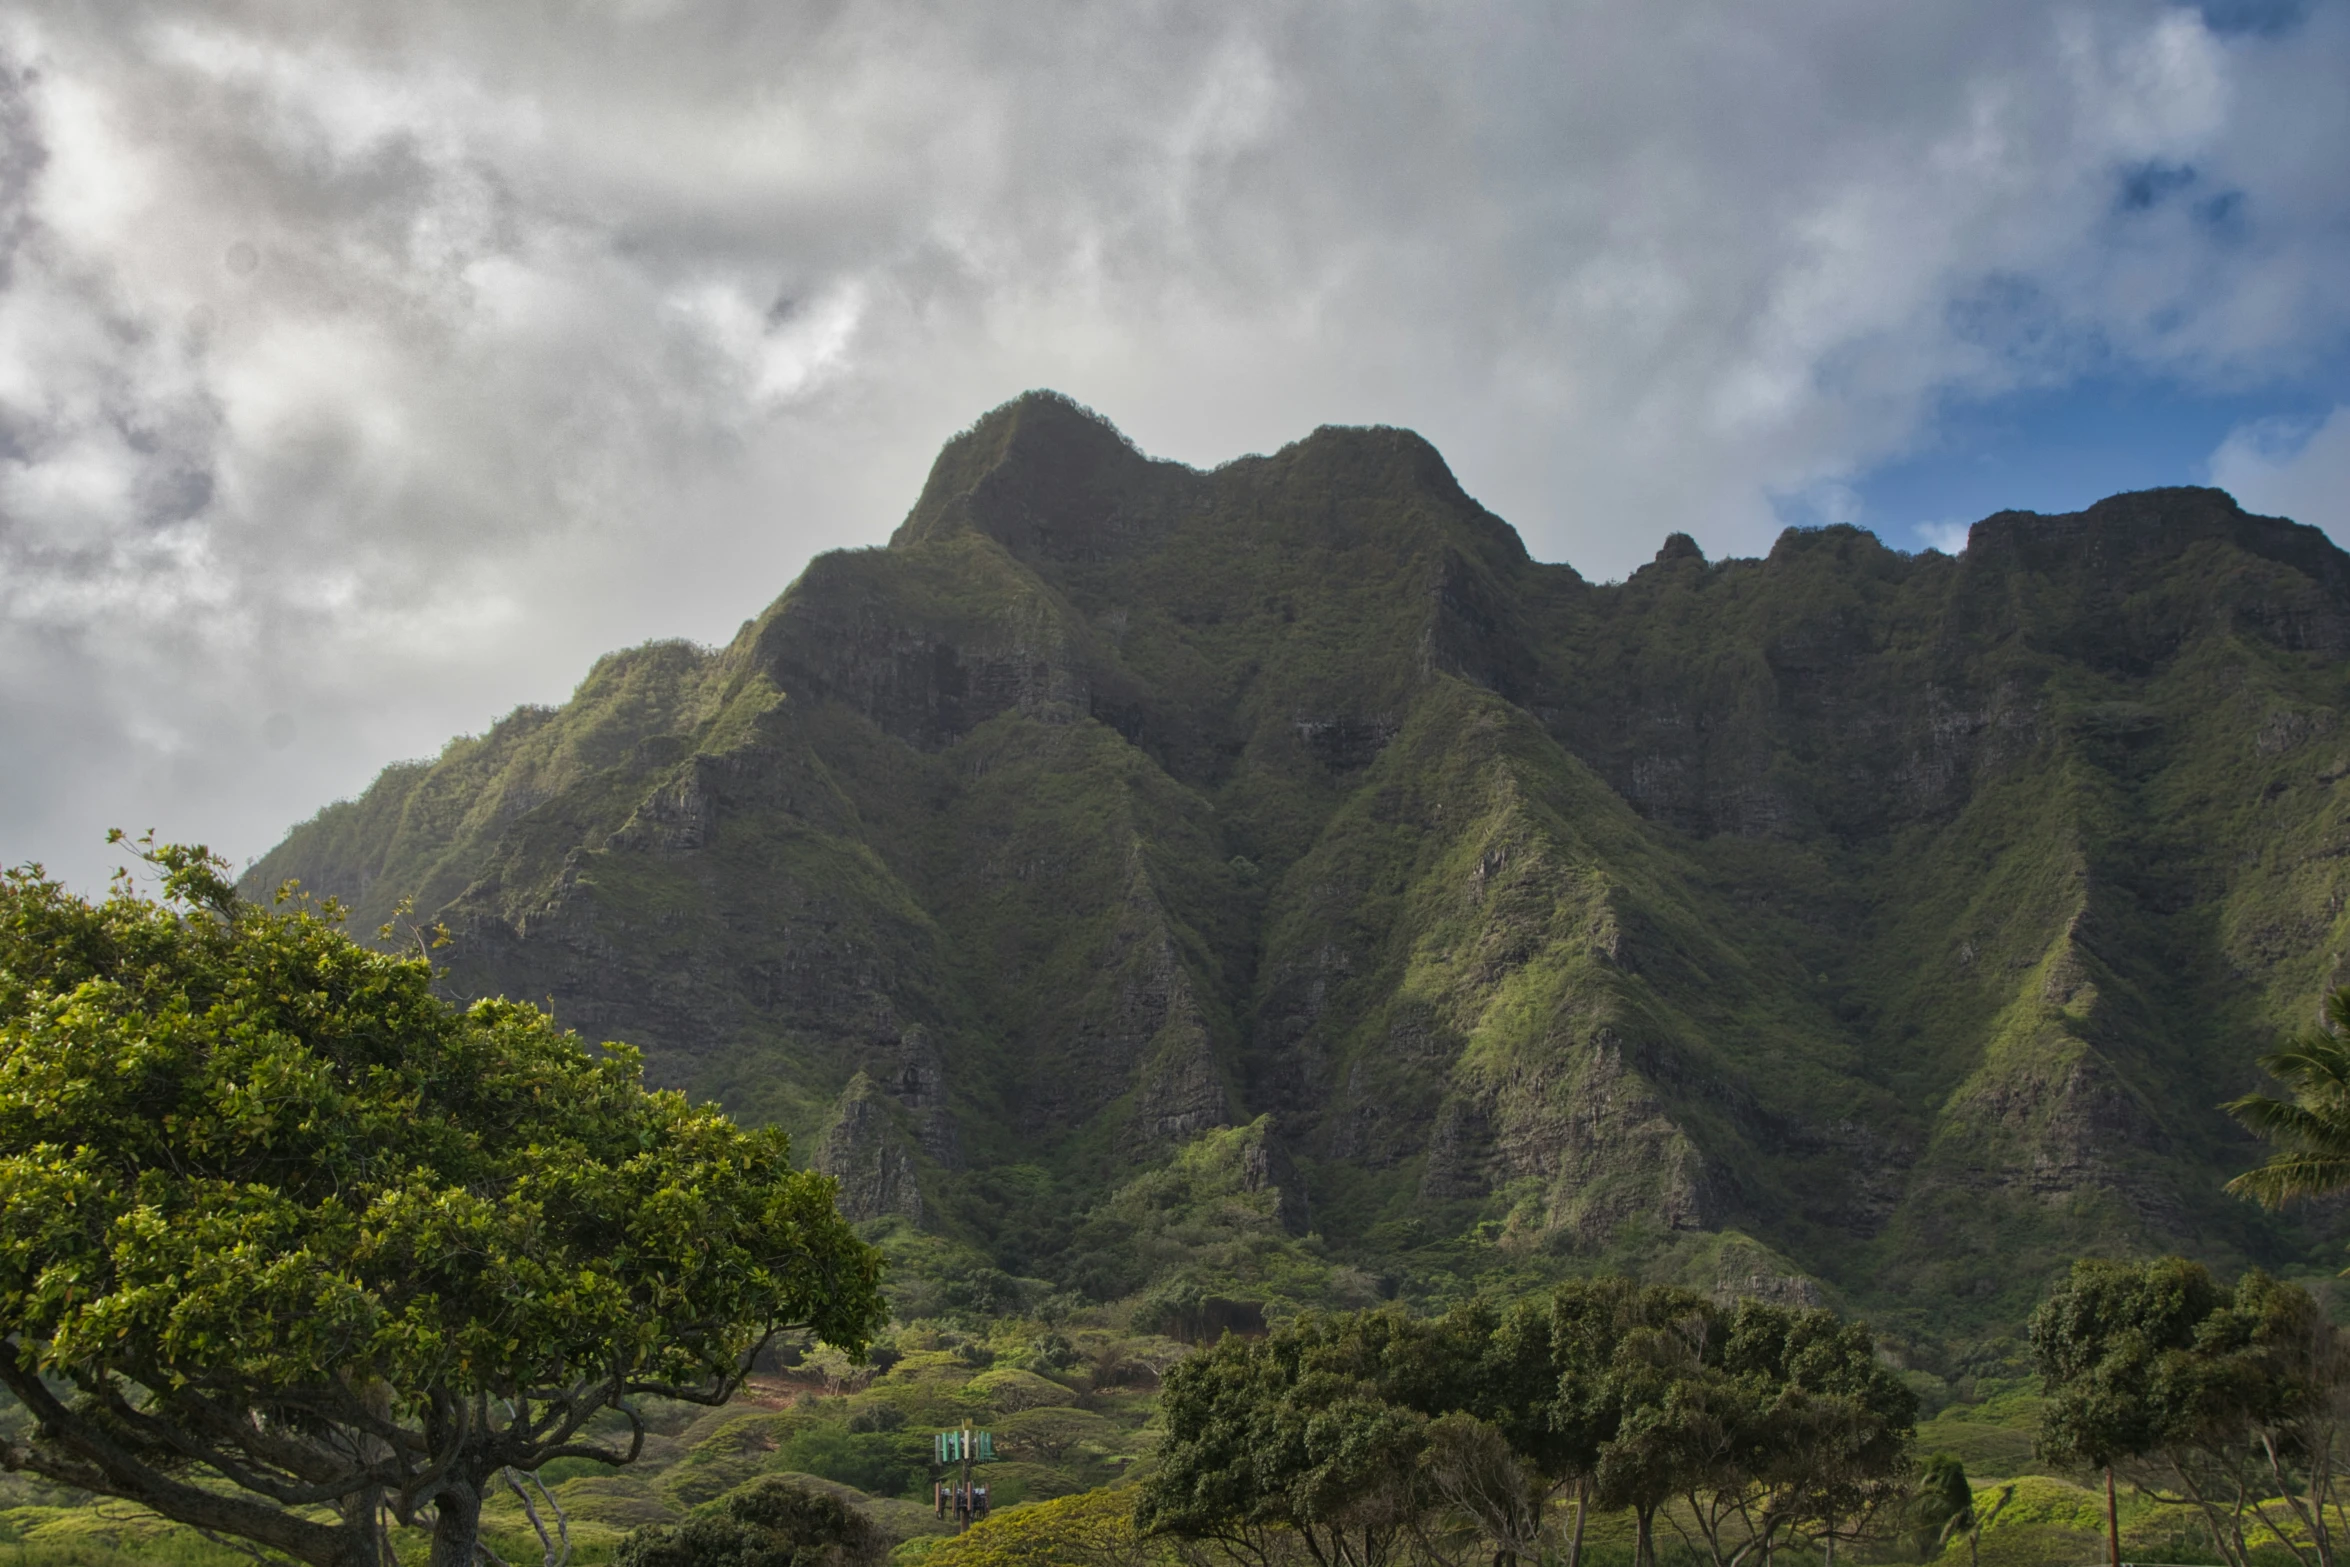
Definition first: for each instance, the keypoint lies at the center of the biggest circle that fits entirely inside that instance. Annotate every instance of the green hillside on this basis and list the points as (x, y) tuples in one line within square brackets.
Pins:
[(1268, 885)]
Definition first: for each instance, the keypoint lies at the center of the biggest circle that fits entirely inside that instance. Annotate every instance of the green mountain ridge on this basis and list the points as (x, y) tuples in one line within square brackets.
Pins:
[(1284, 838)]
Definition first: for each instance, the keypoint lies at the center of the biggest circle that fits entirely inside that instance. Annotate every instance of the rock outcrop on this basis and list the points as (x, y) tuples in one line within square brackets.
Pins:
[(867, 1155)]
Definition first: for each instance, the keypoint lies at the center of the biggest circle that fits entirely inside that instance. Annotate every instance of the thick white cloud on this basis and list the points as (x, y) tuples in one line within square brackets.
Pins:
[(366, 370), (2291, 470)]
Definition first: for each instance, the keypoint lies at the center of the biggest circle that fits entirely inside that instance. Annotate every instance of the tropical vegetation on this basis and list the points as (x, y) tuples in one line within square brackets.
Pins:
[(290, 1247), (2311, 1126)]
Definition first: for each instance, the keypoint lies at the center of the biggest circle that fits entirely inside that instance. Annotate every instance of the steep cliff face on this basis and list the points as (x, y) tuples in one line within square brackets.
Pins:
[(1895, 920), (870, 1155)]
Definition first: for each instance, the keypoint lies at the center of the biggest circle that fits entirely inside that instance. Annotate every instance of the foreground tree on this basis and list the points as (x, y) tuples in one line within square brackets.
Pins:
[(1352, 1439), (1588, 1324), (2100, 1339), (2228, 1400), (1296, 1439), (1544, 1380), (1481, 1482), (1648, 1377), (1502, 1444), (1771, 1426), (2312, 1128), (2251, 1417), (282, 1233), (1828, 1442)]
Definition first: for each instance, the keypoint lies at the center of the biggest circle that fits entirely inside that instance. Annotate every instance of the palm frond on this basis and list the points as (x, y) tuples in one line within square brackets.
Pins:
[(2337, 1009), (2290, 1176), (2296, 1126), (2313, 1064), (2311, 1130)]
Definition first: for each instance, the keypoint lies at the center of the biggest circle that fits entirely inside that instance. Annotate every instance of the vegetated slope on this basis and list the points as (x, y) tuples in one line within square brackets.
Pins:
[(1895, 921), (1069, 1408)]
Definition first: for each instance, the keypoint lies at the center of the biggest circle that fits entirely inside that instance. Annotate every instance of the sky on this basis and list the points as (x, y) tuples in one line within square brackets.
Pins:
[(366, 371)]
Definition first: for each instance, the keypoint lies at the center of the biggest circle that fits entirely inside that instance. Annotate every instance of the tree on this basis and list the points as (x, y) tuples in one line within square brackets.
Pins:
[(1773, 1422), (1049, 1431), (1944, 1503), (1831, 1444), (2248, 1420), (1711, 1436), (2101, 1339), (282, 1234), (2311, 1129), (1293, 1436), (1584, 1322), (1655, 1343), (1471, 1468), (1539, 1377), (772, 1522), (1353, 1435), (1507, 1441), (1527, 1400)]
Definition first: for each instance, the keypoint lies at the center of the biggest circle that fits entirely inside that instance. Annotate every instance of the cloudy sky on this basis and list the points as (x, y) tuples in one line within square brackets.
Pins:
[(366, 370)]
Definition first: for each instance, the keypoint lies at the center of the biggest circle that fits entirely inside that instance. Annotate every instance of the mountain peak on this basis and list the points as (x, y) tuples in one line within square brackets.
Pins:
[(1357, 460), (1041, 474), (1052, 480)]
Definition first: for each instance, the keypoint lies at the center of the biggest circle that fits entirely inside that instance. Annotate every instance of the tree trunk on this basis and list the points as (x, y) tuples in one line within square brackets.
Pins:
[(361, 1523), (1644, 1540), (2113, 1526), (456, 1529), (1582, 1505), (2320, 1499)]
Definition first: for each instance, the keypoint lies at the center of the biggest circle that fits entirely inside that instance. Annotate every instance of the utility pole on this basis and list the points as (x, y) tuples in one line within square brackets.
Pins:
[(960, 1450)]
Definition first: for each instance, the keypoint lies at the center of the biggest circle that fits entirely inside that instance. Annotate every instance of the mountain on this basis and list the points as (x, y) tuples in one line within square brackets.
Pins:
[(1135, 876)]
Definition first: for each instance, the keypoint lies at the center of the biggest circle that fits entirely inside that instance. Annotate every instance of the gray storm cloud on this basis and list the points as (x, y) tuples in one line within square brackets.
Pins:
[(365, 371)]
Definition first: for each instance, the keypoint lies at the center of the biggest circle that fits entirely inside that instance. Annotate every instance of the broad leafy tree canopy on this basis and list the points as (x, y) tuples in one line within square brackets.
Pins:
[(2229, 1399), (2106, 1341), (1295, 1432), (270, 1207), (1350, 1433)]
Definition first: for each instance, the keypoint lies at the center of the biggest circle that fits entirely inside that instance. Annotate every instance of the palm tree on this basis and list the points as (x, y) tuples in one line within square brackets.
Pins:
[(2311, 1129)]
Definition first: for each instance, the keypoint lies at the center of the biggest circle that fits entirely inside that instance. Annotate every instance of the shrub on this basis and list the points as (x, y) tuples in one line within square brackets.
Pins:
[(773, 1523)]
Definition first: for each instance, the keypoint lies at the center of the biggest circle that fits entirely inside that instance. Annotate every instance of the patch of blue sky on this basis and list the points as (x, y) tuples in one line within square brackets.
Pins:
[(2059, 448), (2263, 18), (2085, 417)]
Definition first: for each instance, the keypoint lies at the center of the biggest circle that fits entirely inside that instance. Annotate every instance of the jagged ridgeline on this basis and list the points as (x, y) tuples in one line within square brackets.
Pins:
[(1130, 861)]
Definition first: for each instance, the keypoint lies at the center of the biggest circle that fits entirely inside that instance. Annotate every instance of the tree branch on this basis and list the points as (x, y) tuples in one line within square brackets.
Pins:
[(96, 1462)]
